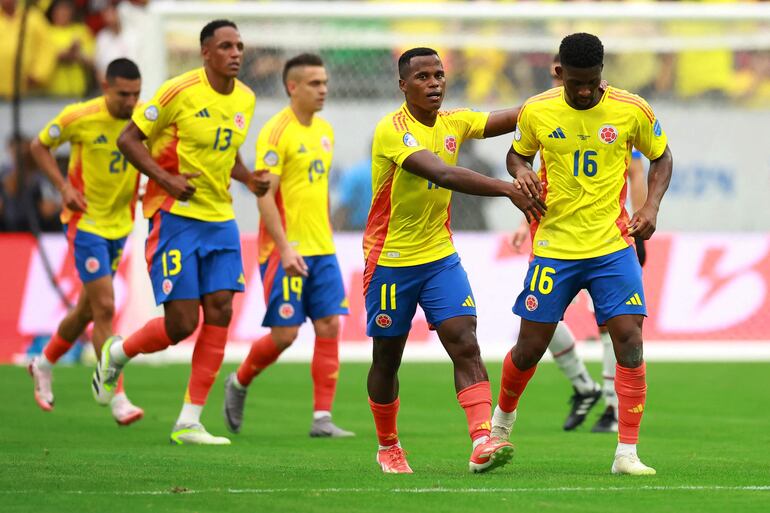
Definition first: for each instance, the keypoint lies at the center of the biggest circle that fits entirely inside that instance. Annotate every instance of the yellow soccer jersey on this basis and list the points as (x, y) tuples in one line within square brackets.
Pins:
[(584, 157), (96, 167), (301, 156), (191, 128), (409, 216)]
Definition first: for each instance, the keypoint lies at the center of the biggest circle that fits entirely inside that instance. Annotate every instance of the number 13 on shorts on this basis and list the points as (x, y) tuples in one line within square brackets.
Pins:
[(541, 280)]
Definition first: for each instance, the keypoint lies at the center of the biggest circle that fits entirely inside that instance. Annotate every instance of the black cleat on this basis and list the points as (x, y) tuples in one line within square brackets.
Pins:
[(581, 405), (607, 423)]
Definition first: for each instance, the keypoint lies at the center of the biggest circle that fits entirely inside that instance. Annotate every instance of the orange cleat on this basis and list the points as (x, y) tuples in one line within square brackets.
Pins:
[(491, 454), (393, 460)]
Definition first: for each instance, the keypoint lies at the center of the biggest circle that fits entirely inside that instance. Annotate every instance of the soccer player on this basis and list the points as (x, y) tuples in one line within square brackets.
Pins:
[(99, 195), (300, 273), (585, 137), (186, 141), (586, 391), (410, 258)]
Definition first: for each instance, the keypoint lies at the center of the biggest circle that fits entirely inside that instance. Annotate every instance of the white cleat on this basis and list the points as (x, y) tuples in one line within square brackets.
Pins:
[(195, 434), (42, 379), (502, 424), (631, 465), (123, 411), (105, 378)]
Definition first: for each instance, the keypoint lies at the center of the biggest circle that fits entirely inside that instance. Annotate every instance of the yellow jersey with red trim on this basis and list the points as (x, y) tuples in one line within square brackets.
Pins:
[(301, 156), (96, 167), (584, 159), (409, 218), (191, 128)]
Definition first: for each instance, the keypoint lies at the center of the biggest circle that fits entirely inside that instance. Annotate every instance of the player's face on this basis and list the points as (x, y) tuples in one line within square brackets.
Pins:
[(223, 52), (425, 84), (308, 86), (121, 95), (581, 85)]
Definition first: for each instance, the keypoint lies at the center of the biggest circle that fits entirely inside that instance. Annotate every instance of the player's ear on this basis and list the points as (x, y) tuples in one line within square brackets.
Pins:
[(402, 85), (558, 70)]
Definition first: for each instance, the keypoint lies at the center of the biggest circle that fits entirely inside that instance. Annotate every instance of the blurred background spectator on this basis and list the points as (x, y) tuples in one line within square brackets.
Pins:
[(73, 45)]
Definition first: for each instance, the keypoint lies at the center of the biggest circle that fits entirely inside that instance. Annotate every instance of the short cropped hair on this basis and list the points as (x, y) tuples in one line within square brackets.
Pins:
[(123, 68), (581, 50), (212, 26), (303, 59), (406, 58)]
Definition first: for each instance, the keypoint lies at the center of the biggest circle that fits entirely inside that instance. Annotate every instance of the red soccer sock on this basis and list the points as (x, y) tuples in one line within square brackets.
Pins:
[(512, 384), (325, 370), (476, 400), (631, 387), (262, 354), (151, 338), (385, 422), (56, 348), (119, 389), (206, 361)]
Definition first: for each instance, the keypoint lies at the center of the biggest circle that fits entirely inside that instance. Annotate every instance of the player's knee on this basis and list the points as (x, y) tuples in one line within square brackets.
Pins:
[(526, 355), (629, 348), (103, 308), (83, 315), (219, 312), (385, 360), (284, 337), (179, 328), (328, 327), (465, 347)]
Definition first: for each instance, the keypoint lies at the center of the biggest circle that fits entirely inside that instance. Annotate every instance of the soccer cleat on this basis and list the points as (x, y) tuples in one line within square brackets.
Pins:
[(607, 423), (235, 398), (106, 374), (581, 405), (42, 380), (325, 428), (195, 434), (124, 412), (393, 460), (491, 454), (502, 424), (631, 465)]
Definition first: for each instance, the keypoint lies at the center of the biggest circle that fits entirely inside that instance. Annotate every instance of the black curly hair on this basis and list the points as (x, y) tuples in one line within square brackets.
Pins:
[(581, 50)]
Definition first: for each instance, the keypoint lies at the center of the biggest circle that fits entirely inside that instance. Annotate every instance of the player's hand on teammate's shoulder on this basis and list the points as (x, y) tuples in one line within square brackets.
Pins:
[(179, 186), (259, 183), (73, 198), (293, 263), (643, 222)]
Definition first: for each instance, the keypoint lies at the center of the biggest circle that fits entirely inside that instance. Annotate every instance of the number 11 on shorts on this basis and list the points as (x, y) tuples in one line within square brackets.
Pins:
[(384, 297), (545, 284)]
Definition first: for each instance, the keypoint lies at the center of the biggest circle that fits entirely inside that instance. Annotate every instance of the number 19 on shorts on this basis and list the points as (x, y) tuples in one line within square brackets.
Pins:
[(541, 280)]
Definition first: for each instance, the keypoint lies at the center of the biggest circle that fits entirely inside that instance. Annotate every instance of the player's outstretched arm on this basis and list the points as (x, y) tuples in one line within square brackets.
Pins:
[(645, 220), (501, 122), (131, 144), (256, 181), (427, 165), (520, 168), (70, 196), (292, 262)]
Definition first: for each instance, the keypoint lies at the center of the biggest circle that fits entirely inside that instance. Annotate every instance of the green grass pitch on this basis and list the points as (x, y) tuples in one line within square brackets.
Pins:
[(706, 430)]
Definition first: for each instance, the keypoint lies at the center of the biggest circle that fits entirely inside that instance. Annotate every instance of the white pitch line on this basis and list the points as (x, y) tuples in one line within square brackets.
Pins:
[(258, 491)]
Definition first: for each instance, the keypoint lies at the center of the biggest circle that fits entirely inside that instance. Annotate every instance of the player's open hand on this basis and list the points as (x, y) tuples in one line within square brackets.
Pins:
[(73, 198), (532, 206), (293, 263), (519, 236), (643, 223), (179, 186), (529, 183), (259, 183)]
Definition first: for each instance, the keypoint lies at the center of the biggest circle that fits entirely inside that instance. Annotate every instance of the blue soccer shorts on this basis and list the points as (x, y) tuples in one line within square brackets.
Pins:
[(95, 256), (188, 258), (441, 288), (292, 299), (614, 282)]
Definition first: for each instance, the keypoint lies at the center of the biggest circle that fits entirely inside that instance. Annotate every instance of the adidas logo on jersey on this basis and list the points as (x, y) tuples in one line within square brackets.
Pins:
[(102, 139), (635, 300), (469, 302), (203, 113), (557, 134)]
